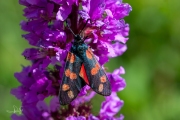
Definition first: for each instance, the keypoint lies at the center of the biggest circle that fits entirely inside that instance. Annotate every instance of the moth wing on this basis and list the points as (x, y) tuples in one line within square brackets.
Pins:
[(97, 77), (71, 83)]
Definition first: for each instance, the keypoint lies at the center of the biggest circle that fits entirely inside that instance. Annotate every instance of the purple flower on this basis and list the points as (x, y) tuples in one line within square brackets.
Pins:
[(36, 85), (51, 40), (117, 82), (111, 106), (106, 27)]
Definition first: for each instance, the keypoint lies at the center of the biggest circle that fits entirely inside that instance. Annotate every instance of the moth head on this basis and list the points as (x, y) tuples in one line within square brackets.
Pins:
[(78, 38)]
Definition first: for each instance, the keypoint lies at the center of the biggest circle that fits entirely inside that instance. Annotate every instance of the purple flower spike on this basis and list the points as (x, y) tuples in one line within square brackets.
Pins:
[(51, 40)]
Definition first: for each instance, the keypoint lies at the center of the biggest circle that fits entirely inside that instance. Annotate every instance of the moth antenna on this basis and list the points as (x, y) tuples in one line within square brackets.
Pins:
[(70, 28), (85, 25)]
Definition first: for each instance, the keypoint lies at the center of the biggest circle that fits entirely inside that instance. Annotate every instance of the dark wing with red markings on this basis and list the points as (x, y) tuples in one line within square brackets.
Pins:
[(97, 78), (71, 83)]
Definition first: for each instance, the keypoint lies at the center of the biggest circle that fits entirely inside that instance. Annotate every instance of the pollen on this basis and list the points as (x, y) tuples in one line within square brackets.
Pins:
[(67, 72), (72, 59), (70, 94), (100, 89), (73, 76), (65, 87), (103, 79), (94, 71), (88, 54)]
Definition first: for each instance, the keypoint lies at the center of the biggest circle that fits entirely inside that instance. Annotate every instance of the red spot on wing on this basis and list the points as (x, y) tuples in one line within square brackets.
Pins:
[(83, 74), (89, 49), (73, 76), (94, 71), (68, 56), (67, 72), (72, 59), (88, 54)]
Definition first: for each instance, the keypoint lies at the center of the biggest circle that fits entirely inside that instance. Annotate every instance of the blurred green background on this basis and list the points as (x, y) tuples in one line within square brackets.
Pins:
[(152, 61)]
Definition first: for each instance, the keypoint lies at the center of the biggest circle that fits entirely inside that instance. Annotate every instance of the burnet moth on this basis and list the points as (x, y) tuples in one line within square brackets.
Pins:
[(82, 68)]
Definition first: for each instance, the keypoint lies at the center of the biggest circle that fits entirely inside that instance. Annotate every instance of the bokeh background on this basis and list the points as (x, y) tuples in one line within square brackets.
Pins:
[(152, 61)]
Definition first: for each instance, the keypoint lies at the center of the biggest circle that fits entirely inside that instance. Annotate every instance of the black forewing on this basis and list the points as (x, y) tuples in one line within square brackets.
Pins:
[(70, 88), (100, 86)]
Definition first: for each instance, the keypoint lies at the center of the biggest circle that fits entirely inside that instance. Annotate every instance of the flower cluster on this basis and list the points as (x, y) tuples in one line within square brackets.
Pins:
[(51, 40)]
